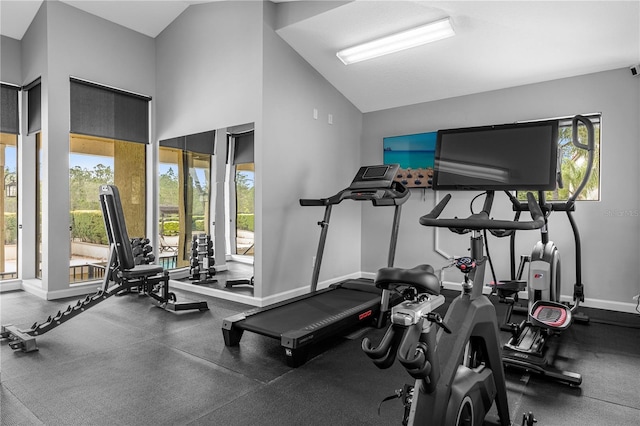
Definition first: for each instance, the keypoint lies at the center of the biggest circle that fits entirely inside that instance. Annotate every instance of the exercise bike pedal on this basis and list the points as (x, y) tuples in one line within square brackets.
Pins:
[(406, 394)]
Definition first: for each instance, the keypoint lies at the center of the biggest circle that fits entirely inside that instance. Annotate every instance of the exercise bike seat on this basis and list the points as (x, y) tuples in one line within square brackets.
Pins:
[(550, 315), (420, 277)]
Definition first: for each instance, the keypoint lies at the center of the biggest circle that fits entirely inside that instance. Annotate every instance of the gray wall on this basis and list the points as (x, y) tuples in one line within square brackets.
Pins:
[(222, 64), (303, 157), (209, 66), (10, 61), (610, 244), (34, 58), (81, 45)]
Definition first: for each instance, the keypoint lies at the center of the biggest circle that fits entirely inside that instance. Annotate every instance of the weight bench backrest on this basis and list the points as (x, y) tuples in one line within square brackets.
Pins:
[(116, 226)]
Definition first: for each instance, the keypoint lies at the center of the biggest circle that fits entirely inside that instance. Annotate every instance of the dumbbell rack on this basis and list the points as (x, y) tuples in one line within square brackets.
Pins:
[(202, 261), (142, 251)]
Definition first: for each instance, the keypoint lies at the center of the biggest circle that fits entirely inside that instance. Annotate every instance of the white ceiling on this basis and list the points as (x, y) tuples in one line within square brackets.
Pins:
[(498, 44)]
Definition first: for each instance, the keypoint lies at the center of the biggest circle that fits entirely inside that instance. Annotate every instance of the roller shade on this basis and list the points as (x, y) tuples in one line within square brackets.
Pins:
[(202, 143), (177, 143), (9, 109), (34, 107), (107, 112), (243, 152)]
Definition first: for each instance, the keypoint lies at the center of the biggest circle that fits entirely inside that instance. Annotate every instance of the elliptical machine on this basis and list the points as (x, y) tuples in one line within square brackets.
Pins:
[(546, 316), (457, 368)]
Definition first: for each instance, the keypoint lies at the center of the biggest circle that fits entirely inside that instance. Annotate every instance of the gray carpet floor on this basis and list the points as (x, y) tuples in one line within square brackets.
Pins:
[(127, 362)]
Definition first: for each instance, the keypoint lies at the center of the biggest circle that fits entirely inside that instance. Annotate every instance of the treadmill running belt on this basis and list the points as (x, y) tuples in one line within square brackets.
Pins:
[(309, 311)]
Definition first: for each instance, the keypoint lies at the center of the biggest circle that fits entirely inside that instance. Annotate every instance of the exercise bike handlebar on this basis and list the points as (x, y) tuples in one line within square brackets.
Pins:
[(480, 221)]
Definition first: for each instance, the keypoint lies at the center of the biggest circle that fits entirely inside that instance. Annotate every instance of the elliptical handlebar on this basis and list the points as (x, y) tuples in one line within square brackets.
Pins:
[(590, 147), (480, 221)]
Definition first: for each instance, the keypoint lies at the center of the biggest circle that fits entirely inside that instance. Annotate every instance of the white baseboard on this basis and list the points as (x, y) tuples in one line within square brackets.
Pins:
[(608, 305), (368, 275), (214, 292), (301, 291), (255, 301), (75, 290), (34, 286), (10, 285)]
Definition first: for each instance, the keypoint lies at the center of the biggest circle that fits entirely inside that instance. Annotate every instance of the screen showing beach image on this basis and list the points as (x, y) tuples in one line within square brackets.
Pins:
[(415, 154)]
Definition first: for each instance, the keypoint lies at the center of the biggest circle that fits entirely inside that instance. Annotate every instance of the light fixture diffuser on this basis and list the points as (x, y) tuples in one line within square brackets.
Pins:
[(414, 37)]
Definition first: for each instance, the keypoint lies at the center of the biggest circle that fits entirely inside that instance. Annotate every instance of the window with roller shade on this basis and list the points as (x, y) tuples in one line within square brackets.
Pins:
[(34, 124), (9, 130), (109, 130), (241, 146), (184, 193)]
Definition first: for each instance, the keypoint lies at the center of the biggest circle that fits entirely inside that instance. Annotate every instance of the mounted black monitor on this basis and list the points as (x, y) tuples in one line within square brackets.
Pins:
[(503, 157)]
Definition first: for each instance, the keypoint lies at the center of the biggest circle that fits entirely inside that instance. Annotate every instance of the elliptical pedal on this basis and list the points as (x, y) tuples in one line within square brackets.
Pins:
[(550, 315)]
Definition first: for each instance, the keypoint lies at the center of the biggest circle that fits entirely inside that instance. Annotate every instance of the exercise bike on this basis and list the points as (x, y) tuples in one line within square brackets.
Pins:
[(456, 360), (546, 316)]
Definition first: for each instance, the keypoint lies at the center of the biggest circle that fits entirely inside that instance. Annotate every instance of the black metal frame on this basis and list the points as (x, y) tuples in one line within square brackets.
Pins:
[(296, 341), (152, 280), (457, 369), (528, 346)]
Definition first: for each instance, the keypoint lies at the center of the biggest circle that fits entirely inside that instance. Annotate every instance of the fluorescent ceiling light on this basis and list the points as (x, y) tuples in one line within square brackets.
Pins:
[(414, 37)]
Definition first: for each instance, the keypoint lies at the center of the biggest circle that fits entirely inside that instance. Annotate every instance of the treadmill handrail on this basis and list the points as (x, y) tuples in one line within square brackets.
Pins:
[(397, 194), (314, 202), (480, 221)]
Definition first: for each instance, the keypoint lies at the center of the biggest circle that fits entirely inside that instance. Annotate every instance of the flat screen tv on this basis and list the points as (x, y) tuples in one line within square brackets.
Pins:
[(519, 156)]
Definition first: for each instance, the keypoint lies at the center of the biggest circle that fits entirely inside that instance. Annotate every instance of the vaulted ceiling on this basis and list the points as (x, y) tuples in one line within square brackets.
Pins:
[(498, 44)]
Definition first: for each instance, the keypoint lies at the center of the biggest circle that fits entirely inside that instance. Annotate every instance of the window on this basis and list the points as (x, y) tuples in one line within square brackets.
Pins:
[(185, 195), (34, 125), (9, 206), (95, 161), (573, 162), (9, 126), (242, 193), (39, 183), (245, 201), (107, 145)]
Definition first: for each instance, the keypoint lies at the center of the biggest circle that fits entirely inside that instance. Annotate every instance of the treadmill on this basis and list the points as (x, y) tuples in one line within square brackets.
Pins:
[(306, 320)]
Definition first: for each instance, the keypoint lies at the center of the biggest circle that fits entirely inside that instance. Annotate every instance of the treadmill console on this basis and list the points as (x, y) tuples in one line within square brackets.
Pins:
[(372, 183), (376, 184), (379, 177)]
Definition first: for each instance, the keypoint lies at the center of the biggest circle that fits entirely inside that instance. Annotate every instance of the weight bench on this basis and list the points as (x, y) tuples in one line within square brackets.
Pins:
[(121, 276)]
